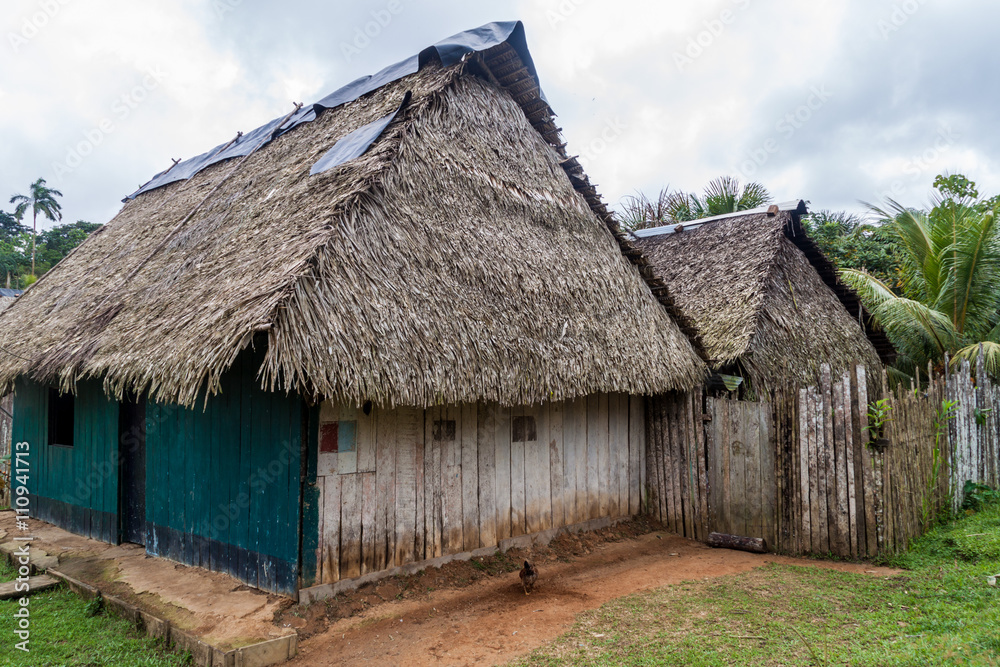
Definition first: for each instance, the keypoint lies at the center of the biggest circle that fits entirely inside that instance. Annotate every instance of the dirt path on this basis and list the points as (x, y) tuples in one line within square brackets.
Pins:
[(492, 621)]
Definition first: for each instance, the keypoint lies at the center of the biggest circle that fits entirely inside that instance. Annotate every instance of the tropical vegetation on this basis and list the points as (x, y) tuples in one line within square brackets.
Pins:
[(722, 195), (946, 301), (26, 253)]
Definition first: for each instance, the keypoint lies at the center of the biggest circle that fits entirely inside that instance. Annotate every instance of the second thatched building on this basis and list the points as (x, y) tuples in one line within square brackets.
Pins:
[(766, 303)]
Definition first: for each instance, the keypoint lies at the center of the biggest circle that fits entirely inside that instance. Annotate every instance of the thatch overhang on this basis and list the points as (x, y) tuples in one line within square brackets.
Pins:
[(457, 259), (723, 272)]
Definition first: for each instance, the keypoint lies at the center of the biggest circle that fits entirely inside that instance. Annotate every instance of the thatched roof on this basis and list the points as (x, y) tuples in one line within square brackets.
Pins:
[(458, 259), (764, 299)]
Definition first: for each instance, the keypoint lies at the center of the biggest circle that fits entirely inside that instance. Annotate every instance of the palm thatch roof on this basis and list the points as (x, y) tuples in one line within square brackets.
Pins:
[(766, 303), (462, 257)]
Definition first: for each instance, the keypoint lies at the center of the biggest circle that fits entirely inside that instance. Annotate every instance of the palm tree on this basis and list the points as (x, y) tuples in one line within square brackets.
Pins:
[(41, 200), (950, 260), (722, 195)]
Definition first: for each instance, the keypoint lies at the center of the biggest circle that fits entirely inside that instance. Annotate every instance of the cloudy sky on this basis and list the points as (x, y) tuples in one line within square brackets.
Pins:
[(833, 101)]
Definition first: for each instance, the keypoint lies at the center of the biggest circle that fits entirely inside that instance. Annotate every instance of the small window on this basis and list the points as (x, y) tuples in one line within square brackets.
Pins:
[(524, 429), (444, 430), (60, 418)]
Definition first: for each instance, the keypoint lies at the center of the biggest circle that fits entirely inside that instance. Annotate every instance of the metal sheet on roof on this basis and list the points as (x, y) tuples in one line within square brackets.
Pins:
[(449, 51), (794, 206), (356, 143)]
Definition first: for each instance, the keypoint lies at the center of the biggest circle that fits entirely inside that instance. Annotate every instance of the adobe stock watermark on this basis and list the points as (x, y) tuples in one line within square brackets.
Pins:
[(33, 24), (703, 40), (363, 35), (785, 128), (120, 110), (917, 166), (899, 16), (563, 11), (610, 133)]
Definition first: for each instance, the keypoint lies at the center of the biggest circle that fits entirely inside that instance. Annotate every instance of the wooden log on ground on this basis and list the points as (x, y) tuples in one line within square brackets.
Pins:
[(755, 545)]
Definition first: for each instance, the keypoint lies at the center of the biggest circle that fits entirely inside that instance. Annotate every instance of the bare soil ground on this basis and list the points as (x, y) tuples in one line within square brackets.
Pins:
[(470, 613)]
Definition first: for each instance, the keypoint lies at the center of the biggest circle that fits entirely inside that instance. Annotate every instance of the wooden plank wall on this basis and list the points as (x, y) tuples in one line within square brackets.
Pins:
[(6, 415), (426, 483), (797, 468)]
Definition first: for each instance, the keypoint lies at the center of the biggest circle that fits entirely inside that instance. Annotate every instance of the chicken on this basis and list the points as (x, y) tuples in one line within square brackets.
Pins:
[(528, 577)]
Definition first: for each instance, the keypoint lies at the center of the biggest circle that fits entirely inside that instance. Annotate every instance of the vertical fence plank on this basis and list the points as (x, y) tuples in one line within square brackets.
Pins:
[(805, 474), (767, 474), (699, 439)]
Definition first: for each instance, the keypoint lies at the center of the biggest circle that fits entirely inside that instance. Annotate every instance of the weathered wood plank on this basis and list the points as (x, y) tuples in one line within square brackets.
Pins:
[(368, 522), (432, 484), (385, 489), (739, 513), (768, 475), (614, 465), (556, 469), (517, 481), (420, 522), (406, 485), (470, 477), (656, 468), (852, 502), (604, 458), (574, 437), (754, 484), (688, 472), (538, 495), (699, 438), (725, 446), (502, 457), (817, 491), (674, 469), (636, 442), (452, 517), (643, 430), (594, 429), (842, 547), (486, 437), (829, 458), (350, 526), (331, 528), (805, 508), (366, 431)]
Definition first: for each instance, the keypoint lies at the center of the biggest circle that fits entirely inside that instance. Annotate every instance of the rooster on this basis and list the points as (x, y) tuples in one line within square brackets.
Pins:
[(528, 577)]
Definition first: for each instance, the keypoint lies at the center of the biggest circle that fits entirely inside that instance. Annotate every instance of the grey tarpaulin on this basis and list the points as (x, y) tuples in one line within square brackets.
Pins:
[(356, 143), (449, 51)]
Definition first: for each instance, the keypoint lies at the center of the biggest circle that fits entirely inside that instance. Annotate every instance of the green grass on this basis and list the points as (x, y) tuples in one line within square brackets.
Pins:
[(62, 633), (941, 611)]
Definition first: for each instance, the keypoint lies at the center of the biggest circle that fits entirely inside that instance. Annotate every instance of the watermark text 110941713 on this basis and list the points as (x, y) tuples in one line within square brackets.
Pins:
[(20, 474)]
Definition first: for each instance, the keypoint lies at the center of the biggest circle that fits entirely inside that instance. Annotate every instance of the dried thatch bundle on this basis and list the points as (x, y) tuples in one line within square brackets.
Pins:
[(766, 303), (453, 261)]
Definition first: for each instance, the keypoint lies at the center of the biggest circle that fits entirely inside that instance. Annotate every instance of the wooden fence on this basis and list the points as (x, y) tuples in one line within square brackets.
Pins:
[(798, 469)]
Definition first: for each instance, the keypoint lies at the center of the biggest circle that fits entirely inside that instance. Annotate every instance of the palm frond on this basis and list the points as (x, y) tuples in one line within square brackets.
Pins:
[(991, 356)]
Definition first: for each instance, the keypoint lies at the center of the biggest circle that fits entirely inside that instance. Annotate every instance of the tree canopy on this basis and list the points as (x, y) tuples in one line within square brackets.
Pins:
[(947, 299)]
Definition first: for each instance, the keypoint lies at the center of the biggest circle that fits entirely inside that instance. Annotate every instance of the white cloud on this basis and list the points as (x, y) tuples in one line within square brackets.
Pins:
[(610, 70)]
